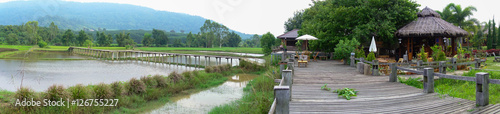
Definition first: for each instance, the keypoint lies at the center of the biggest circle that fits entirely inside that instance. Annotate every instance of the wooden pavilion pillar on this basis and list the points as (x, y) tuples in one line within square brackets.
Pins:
[(453, 46)]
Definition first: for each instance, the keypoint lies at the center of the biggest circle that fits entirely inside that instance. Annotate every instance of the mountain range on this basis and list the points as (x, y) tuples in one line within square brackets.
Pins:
[(95, 16)]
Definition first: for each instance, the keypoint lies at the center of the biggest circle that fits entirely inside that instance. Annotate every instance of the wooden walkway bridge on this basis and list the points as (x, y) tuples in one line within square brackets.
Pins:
[(376, 94), (156, 57)]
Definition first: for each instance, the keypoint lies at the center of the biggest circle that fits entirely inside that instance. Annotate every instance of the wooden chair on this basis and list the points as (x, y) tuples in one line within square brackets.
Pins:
[(315, 56), (323, 56)]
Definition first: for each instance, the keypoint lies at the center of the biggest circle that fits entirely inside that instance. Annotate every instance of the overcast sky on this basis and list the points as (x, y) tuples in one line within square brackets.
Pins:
[(261, 16)]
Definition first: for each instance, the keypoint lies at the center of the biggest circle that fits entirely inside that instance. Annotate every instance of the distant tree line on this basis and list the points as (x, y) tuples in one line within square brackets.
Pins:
[(212, 34)]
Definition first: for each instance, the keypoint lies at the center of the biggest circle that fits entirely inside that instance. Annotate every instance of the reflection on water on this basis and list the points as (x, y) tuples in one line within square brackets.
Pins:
[(34, 55), (240, 54), (203, 101), (41, 74)]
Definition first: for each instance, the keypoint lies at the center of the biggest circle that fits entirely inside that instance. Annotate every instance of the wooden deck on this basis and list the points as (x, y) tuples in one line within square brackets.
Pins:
[(376, 94)]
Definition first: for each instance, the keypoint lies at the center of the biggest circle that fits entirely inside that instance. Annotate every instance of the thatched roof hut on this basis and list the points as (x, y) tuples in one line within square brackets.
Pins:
[(428, 30), (430, 24)]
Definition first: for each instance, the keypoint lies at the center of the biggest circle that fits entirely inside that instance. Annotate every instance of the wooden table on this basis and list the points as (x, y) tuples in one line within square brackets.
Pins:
[(302, 62)]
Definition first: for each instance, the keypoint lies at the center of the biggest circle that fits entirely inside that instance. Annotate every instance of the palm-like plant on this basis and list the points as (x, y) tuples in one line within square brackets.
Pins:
[(459, 17)]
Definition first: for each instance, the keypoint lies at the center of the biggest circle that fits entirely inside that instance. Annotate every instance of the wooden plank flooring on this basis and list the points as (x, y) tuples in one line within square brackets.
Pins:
[(376, 94)]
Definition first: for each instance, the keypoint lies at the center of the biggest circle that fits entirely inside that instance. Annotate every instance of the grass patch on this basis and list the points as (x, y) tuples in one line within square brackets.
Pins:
[(21, 48), (258, 94), (459, 88)]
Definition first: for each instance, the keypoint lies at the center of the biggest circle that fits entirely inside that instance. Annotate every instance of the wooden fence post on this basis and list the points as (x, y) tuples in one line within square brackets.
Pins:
[(360, 67), (282, 95), (290, 67), (442, 67), (394, 71), (375, 68), (419, 64), (478, 63), (454, 62), (428, 80), (287, 76), (482, 92), (352, 60)]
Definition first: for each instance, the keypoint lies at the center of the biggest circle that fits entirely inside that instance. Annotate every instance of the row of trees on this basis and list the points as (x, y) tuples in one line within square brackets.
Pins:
[(334, 20), (213, 35)]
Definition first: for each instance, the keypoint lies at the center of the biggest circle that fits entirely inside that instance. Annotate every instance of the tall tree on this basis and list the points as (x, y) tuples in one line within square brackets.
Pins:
[(232, 40), (32, 30), (147, 40), (104, 40), (160, 37), (12, 39), (267, 41), (334, 20), (53, 31), (214, 30), (294, 22), (189, 39), (460, 17), (489, 43), (493, 35), (255, 41), (82, 37), (68, 37)]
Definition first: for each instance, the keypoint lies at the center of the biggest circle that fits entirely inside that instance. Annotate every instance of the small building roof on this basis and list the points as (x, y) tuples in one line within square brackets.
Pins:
[(289, 35), (430, 24)]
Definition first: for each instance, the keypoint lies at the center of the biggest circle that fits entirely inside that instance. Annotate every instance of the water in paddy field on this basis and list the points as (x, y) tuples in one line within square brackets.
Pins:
[(40, 74), (204, 101), (208, 61)]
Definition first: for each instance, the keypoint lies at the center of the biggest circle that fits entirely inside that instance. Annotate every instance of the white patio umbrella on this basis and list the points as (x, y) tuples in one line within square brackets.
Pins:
[(307, 38), (373, 46)]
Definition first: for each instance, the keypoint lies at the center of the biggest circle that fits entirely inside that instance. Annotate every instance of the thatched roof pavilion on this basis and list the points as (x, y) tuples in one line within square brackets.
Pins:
[(429, 29)]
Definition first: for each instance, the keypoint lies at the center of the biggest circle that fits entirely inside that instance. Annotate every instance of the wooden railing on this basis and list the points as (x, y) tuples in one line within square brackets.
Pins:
[(283, 92), (482, 79)]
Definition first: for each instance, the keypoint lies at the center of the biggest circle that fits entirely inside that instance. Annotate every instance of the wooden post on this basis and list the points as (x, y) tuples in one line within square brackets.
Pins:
[(482, 89), (442, 67), (478, 63), (394, 71), (375, 68), (419, 64), (231, 61), (352, 60), (282, 96), (454, 62), (428, 80), (290, 67)]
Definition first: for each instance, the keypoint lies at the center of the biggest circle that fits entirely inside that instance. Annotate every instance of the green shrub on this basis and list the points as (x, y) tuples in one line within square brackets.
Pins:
[(136, 86), (117, 88), (370, 57), (153, 94), (103, 91), (345, 47), (25, 93), (42, 44), (79, 92), (175, 77), (160, 81), (208, 69), (422, 54), (149, 81), (360, 53), (438, 54), (56, 92)]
